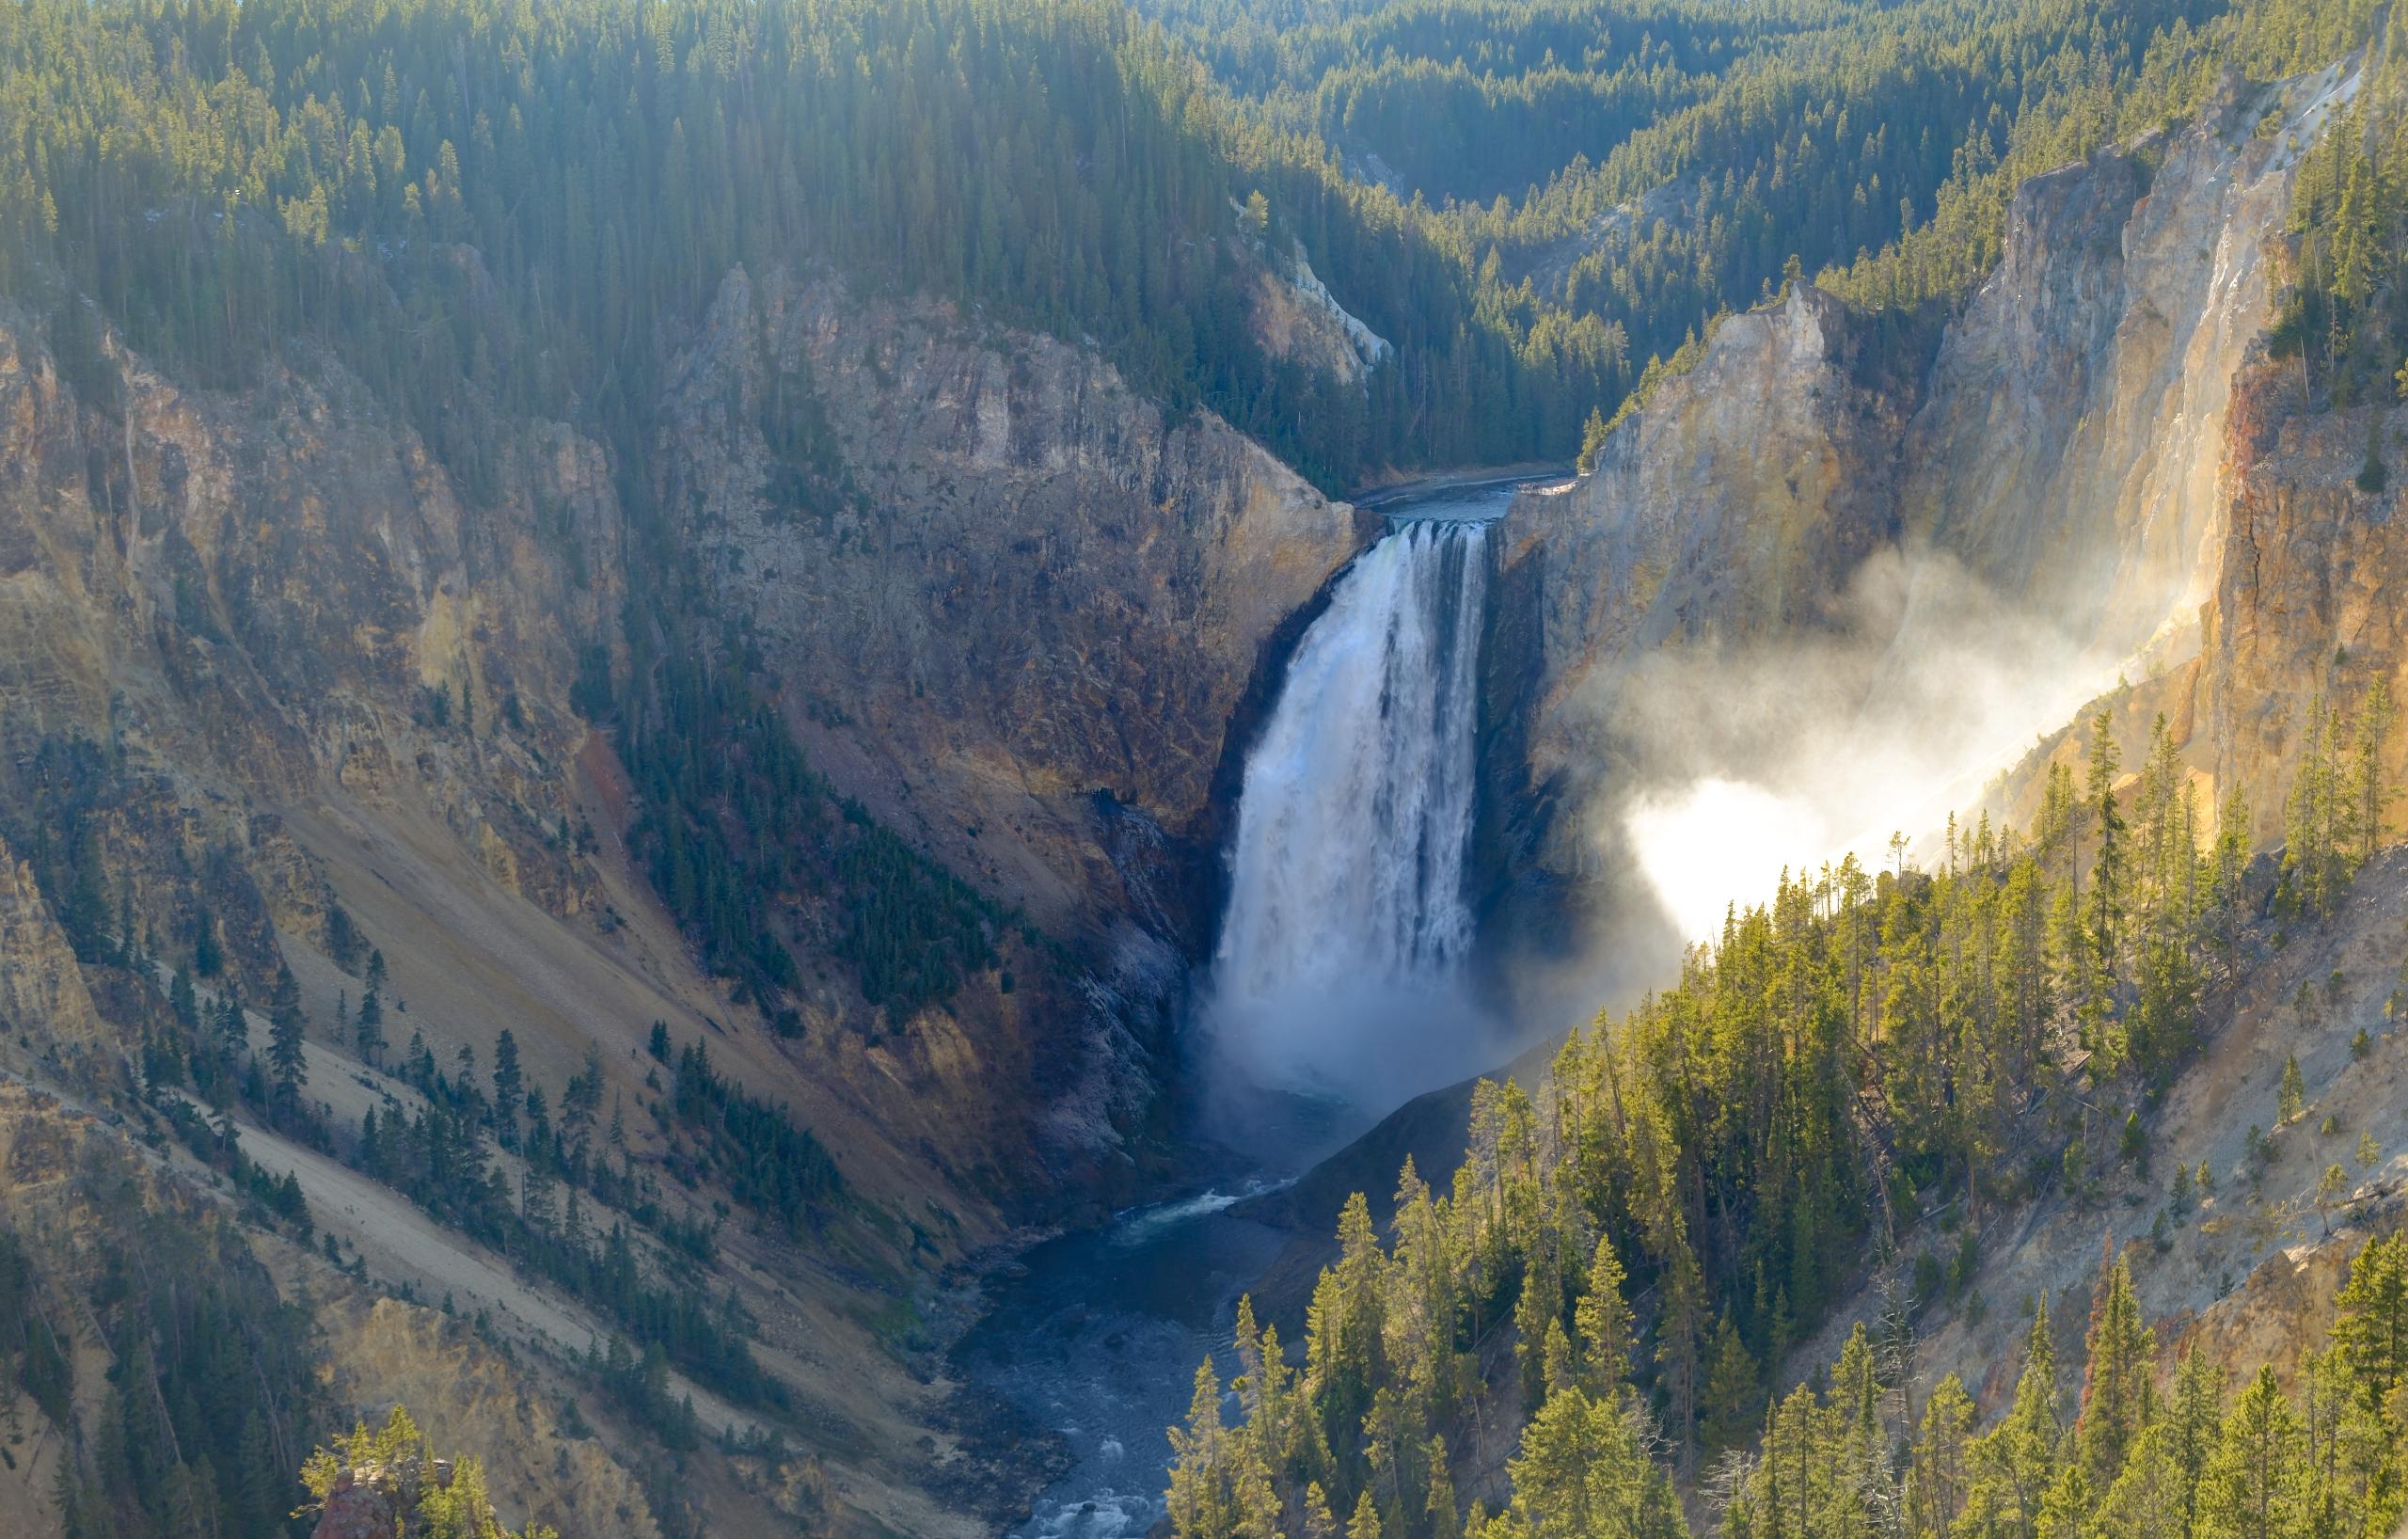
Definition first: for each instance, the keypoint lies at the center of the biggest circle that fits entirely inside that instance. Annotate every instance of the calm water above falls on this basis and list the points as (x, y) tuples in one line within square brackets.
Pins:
[(1347, 915)]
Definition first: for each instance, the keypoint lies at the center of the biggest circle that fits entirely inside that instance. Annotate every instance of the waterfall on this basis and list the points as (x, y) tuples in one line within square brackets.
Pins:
[(1347, 921)]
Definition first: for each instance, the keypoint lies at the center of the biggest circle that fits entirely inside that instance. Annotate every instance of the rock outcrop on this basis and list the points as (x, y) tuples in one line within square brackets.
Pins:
[(359, 1507), (1025, 616), (42, 992), (1297, 319), (2292, 601), (1043, 609), (2307, 605), (1026, 636)]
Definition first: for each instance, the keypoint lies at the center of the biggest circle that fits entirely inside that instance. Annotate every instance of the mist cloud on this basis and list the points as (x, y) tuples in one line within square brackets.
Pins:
[(1744, 761)]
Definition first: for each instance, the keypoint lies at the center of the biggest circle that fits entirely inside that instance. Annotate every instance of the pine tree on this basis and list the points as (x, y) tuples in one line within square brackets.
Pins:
[(2372, 1330), (1254, 1500), (508, 1089), (1602, 1321), (2230, 869), (1344, 1329), (1581, 1471), (2353, 264), (183, 1000), (2354, 1454), (2370, 793), (208, 957), (2104, 918), (258, 1484), (1266, 1390), (370, 1028), (460, 1508), (1560, 1373), (1593, 440), (1198, 1501), (1733, 1406), (581, 1100), (287, 1062), (2150, 1499), (1318, 1522), (1937, 1475), (1444, 1518), (1533, 1311), (2330, 1188), (1266, 1444), (2256, 1484), (234, 1026), (2014, 1465), (2118, 1393), (2064, 1511), (2308, 818)]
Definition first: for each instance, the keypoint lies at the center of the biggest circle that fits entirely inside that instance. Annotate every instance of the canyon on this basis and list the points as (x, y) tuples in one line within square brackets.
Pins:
[(287, 679)]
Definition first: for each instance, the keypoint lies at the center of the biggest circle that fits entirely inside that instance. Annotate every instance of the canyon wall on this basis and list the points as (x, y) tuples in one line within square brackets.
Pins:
[(1733, 508), (1042, 612), (2064, 470), (272, 671), (2068, 450)]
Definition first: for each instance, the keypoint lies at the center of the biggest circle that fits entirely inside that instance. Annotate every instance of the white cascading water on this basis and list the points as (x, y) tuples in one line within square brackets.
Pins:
[(1347, 915)]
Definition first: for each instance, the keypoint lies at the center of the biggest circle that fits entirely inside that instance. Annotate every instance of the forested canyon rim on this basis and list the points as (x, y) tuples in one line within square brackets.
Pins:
[(662, 666)]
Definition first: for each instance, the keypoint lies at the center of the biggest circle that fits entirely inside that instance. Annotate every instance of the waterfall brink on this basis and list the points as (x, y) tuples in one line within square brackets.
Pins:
[(1347, 923)]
